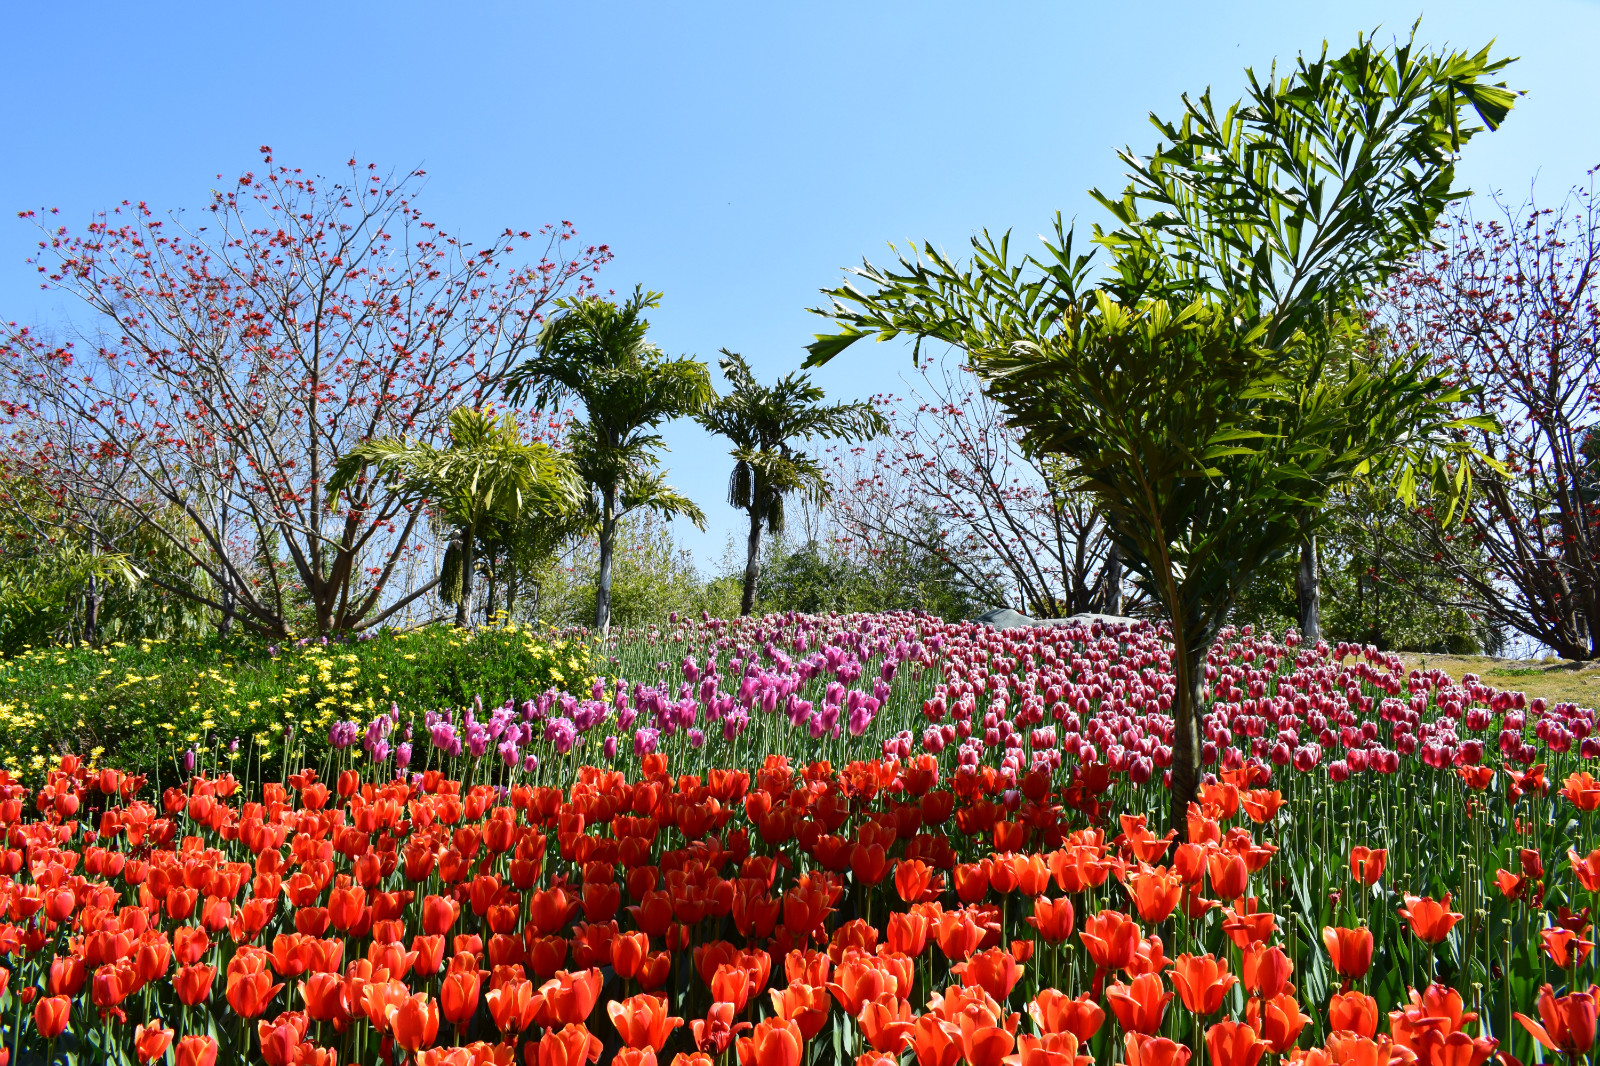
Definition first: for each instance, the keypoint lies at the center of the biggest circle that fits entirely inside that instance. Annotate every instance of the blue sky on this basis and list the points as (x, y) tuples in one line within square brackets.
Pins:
[(735, 156)]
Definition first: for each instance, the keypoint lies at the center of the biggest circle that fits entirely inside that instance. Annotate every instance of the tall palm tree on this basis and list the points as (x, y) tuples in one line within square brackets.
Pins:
[(487, 475), (761, 421), (597, 352)]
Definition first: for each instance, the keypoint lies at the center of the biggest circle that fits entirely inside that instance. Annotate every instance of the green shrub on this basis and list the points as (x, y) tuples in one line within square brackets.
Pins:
[(137, 704)]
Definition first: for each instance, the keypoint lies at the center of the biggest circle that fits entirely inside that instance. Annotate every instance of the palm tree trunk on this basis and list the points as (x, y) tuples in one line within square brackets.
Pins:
[(1307, 589), (608, 536), (464, 604), (752, 564)]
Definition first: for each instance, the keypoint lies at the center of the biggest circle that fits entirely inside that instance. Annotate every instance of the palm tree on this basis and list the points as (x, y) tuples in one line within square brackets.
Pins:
[(597, 352), (761, 421), (488, 475)]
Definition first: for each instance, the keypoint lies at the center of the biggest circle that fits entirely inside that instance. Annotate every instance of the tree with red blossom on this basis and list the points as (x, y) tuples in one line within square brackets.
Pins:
[(227, 363)]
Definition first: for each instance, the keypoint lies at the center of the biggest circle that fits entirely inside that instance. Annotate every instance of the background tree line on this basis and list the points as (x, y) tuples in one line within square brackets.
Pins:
[(174, 471)]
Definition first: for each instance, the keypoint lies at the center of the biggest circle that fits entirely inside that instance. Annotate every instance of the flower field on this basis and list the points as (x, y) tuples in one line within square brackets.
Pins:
[(875, 839)]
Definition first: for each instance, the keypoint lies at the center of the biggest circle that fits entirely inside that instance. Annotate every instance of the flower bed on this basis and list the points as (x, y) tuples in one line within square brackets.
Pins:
[(1382, 868)]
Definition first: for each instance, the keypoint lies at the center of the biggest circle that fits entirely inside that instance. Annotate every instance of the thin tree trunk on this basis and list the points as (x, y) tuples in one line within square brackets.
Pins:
[(1189, 663), (91, 598), (608, 536), (752, 564), (1307, 589), (1111, 581), (464, 604)]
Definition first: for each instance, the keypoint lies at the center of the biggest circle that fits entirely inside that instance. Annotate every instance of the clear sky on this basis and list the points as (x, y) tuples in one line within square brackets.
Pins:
[(735, 156)]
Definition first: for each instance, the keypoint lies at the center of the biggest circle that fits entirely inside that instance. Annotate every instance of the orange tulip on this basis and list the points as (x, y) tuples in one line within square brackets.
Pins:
[(377, 997), (150, 1042), (1232, 1043), (1353, 1012), (805, 1005), (730, 984), (1586, 869), (1052, 1049), (628, 954), (1277, 1019), (1431, 920), (1053, 1011), (1156, 892), (281, 1039), (995, 971), (774, 1042), (958, 934), (1565, 947), (50, 1016), (193, 983), (1111, 938), (1139, 1006), (1349, 949), (458, 996), (1052, 918), (414, 1021), (325, 1000), (1141, 1050), (1429, 1027), (249, 986), (908, 933), (1230, 877), (569, 998), (935, 1042), (572, 1045), (1582, 791), (886, 1023), (971, 880), (512, 1005), (197, 1051), (1366, 864), (1567, 1023), (984, 1045), (1201, 981), (636, 1057), (1266, 970), (642, 1021), (911, 879)]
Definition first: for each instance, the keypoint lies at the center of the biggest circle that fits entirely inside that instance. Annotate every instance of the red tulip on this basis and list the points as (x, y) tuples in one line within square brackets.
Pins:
[(1431, 920), (1141, 1050), (774, 1042), (1230, 1043), (414, 1022), (150, 1042), (1052, 918), (458, 996), (1111, 938), (1054, 1011), (642, 1021), (1567, 1023), (1201, 981), (1277, 1019), (50, 1016), (886, 1023), (197, 1051), (1366, 864), (1349, 949), (569, 1046), (1353, 1012), (1139, 1006)]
